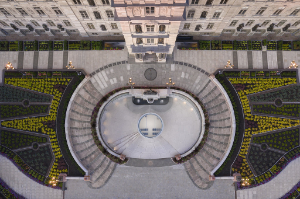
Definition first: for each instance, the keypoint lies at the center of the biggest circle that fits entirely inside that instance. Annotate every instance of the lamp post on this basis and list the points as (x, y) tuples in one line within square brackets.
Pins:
[(131, 83), (170, 83), (53, 181), (9, 66), (245, 182), (229, 65), (70, 66), (293, 64)]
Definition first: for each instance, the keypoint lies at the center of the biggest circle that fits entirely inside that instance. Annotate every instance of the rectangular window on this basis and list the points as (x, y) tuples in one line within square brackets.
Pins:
[(150, 41), (35, 23), (160, 40), (250, 22), (186, 26), (67, 23), (5, 12), (77, 2), (91, 2), (242, 12), (216, 15), (223, 1), (210, 26), (109, 14), (22, 12), (57, 10), (91, 26), (233, 23), (265, 23), (19, 23), (295, 12), (209, 2), (50, 23), (94, 33), (105, 2), (139, 40), (261, 10), (277, 12), (281, 23), (198, 27), (39, 10), (191, 14), (114, 26), (195, 1), (150, 28), (296, 23), (149, 10), (84, 14), (97, 15), (3, 23)]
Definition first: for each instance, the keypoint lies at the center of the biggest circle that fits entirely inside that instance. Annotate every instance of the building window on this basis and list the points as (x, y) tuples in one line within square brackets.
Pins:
[(261, 10), (209, 2), (5, 12), (277, 12), (109, 14), (210, 26), (97, 15), (19, 23), (203, 15), (150, 28), (295, 12), (67, 23), (250, 22), (233, 23), (139, 56), (138, 29), (35, 23), (91, 26), (162, 28), (93, 33), (22, 12), (50, 23), (91, 2), (14, 27), (114, 26), (57, 10), (265, 23), (198, 27), (223, 1), (77, 2), (103, 28), (139, 41), (281, 23), (191, 14), (186, 26), (105, 2), (161, 56), (296, 23), (39, 10), (150, 41), (149, 10), (160, 40), (84, 14), (195, 1), (3, 23), (242, 12), (216, 15)]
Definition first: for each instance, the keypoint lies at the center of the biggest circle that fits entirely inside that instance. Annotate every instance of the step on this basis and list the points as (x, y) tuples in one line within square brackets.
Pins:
[(202, 174), (105, 176), (91, 89)]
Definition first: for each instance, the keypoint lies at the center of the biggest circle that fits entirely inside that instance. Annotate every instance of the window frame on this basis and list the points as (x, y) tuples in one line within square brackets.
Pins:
[(22, 11), (50, 22), (233, 23), (186, 26), (216, 15), (67, 23), (109, 14), (57, 10), (210, 26), (5, 12), (84, 14), (91, 26), (150, 28), (191, 14), (95, 15)]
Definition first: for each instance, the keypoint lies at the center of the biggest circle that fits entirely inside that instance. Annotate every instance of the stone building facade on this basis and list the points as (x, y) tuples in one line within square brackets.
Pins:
[(150, 27)]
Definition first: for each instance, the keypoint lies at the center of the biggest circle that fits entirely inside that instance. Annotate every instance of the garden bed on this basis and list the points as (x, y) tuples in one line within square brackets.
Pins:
[(43, 45), (296, 45), (286, 110), (271, 45), (97, 45), (14, 111), (204, 45), (74, 45), (30, 45), (13, 46), (240, 45), (284, 45), (58, 45), (85, 45), (4, 45), (256, 45), (227, 45), (216, 45)]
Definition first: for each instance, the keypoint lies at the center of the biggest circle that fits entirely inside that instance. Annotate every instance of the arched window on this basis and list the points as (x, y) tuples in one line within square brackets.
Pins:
[(109, 14), (191, 14), (30, 27), (138, 29), (14, 26), (105, 2), (203, 14), (45, 27), (97, 15), (162, 28), (198, 27), (209, 2), (103, 28), (139, 40)]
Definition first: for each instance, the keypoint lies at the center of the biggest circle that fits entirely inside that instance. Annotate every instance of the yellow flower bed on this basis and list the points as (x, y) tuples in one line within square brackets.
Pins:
[(35, 124), (265, 123)]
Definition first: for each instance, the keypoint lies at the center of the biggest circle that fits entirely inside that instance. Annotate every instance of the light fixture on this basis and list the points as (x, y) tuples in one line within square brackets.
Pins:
[(130, 82), (170, 83), (229, 65), (293, 64), (53, 181), (245, 182), (9, 66), (70, 66)]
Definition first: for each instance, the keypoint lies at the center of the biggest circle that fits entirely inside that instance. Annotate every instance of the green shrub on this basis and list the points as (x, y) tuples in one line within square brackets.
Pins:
[(249, 45), (36, 45), (66, 46), (20, 45), (50, 45)]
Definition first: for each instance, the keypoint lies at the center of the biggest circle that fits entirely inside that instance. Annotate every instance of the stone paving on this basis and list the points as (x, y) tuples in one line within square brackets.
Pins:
[(23, 185), (150, 183)]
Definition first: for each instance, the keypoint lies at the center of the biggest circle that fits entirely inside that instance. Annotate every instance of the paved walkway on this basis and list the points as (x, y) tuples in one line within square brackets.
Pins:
[(23, 185), (150, 183), (277, 187)]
